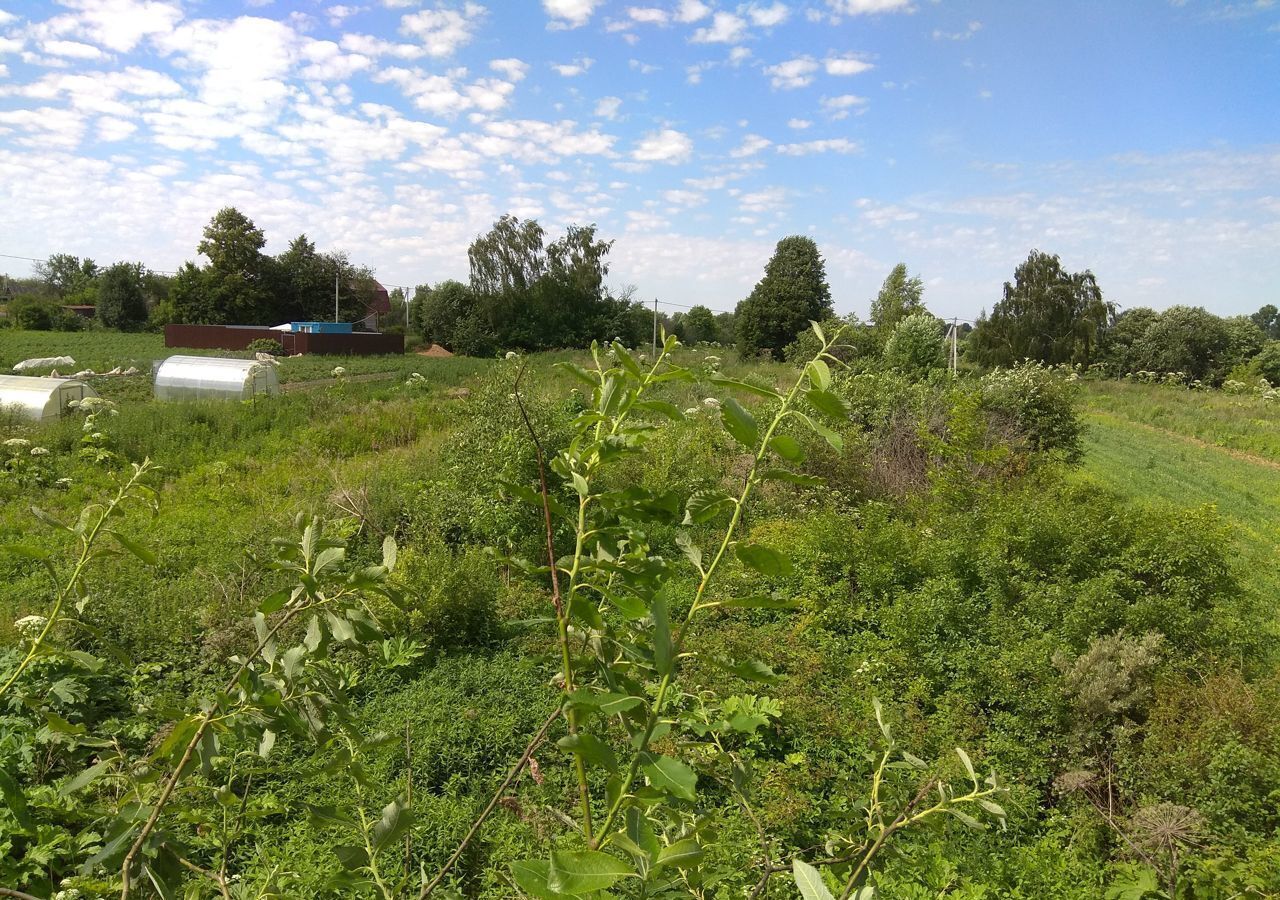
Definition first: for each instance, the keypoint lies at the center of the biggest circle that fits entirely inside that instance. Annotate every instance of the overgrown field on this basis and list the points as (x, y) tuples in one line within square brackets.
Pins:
[(1101, 642)]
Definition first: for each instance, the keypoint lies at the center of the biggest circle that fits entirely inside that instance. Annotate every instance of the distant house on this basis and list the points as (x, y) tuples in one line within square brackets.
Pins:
[(379, 304), (83, 310)]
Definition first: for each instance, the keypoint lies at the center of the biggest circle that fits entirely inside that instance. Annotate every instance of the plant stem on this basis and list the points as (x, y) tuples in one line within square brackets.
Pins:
[(176, 775), (655, 710), (86, 554), (493, 803)]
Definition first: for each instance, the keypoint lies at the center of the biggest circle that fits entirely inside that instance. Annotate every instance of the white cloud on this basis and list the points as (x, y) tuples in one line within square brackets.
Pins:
[(569, 13), (684, 198), (763, 201), (868, 7), (750, 146), (969, 31), (577, 67), (245, 61), (725, 28), (7, 17), (798, 124), (607, 108), (73, 49), (514, 69), (113, 129), (739, 55), (794, 73), (839, 107), (642, 67), (443, 31), (120, 25), (340, 13), (667, 146), (768, 16), (691, 11), (846, 65), (831, 145), (648, 15)]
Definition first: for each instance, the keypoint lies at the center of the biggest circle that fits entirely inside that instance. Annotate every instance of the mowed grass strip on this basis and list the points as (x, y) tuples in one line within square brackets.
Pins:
[(1149, 464), (1242, 422)]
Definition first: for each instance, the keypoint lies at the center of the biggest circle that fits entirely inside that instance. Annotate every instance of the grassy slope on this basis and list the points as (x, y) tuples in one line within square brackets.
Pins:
[(1191, 449)]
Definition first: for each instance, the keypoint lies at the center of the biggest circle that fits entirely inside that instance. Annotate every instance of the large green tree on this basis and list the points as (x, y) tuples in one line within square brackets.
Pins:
[(237, 287), (792, 293), (1046, 314), (1268, 319), (900, 296), (536, 296), (67, 276), (438, 313), (122, 300), (698, 325)]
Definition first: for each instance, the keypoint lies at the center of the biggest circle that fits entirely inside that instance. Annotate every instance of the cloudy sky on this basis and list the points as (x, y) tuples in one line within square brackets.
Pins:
[(1140, 139)]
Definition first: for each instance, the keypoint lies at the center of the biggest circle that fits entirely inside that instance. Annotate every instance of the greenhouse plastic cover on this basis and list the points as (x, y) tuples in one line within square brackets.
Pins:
[(214, 378), (40, 398), (44, 362)]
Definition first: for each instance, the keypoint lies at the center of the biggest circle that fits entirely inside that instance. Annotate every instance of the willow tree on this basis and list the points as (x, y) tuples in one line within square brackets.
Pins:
[(1046, 314)]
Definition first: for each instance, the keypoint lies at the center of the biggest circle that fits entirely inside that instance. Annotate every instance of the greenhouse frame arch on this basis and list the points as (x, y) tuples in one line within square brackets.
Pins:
[(214, 378), (40, 398)]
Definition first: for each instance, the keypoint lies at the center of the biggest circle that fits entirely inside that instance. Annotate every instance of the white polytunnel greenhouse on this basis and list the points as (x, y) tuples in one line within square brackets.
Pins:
[(32, 397), (214, 378)]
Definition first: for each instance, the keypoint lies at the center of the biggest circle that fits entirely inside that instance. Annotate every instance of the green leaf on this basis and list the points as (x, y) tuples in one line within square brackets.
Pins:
[(748, 669), (809, 881), (584, 871), (760, 601), (765, 560), (879, 711), (828, 404), (327, 815), (740, 424), (342, 630), (82, 659), (14, 798), (275, 602), (141, 552), (819, 374), (669, 775), (787, 447), (670, 410), (836, 442), (267, 741), (591, 749), (691, 551), (397, 819), (703, 506), (530, 875), (580, 485), (50, 520), (968, 764), (390, 553), (817, 329), (327, 558), (967, 819), (580, 373), (736, 385), (682, 854), (663, 652)]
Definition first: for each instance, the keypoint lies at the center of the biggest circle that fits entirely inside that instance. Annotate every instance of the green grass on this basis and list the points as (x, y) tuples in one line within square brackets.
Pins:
[(1186, 448)]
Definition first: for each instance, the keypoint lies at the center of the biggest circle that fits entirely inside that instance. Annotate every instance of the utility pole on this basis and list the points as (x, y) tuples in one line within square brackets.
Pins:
[(955, 332), (655, 327), (335, 296)]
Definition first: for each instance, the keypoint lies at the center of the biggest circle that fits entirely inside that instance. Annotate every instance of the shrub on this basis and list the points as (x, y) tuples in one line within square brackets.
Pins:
[(265, 345), (1039, 403), (1267, 363), (42, 314), (449, 599), (915, 347)]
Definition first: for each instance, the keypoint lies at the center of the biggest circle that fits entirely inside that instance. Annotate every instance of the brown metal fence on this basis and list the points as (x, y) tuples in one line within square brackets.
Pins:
[(239, 337)]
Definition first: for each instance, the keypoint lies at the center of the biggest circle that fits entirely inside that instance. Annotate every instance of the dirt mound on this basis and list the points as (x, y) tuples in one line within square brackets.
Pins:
[(435, 350)]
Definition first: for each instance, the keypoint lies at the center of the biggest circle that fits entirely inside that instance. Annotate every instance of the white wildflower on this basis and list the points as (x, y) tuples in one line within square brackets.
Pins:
[(30, 626), (339, 371), (17, 444), (711, 403), (39, 451), (511, 354)]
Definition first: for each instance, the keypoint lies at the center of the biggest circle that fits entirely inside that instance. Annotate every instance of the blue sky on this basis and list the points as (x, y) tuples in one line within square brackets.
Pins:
[(1140, 139)]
